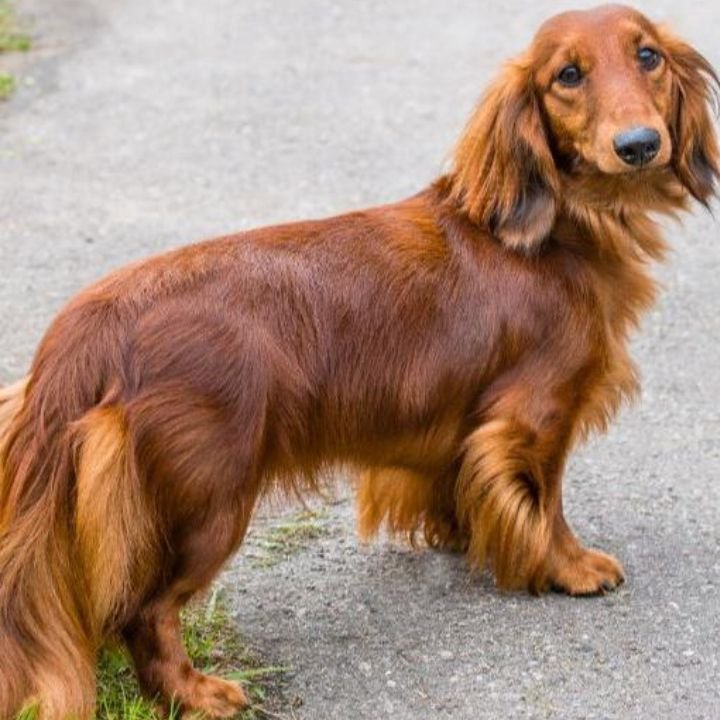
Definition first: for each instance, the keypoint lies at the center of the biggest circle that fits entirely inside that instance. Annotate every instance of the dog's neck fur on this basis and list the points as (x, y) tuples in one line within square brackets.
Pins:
[(614, 217)]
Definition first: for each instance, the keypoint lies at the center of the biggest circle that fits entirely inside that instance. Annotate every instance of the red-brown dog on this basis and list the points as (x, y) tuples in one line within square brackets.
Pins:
[(455, 345)]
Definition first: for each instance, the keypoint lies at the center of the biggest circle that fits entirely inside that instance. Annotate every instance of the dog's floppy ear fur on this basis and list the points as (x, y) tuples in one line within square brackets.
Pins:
[(695, 150), (504, 174)]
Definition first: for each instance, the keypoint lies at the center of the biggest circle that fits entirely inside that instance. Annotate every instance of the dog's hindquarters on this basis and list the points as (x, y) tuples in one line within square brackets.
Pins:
[(130, 470), (68, 569), (202, 472), (140, 503)]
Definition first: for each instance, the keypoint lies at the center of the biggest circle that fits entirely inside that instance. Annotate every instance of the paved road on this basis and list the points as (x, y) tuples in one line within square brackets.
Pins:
[(142, 125)]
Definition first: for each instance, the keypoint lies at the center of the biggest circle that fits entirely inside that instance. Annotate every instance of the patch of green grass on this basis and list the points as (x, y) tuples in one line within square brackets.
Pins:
[(279, 542), (215, 647), (30, 713), (12, 39), (7, 85)]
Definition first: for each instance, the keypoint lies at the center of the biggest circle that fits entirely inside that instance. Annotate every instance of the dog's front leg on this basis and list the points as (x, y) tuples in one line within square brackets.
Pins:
[(577, 570), (509, 495)]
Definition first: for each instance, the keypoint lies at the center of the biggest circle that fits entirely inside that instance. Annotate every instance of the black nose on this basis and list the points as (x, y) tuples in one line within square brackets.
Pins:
[(638, 146)]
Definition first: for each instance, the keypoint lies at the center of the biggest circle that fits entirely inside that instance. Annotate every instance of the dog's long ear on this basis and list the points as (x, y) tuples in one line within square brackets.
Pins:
[(504, 174), (695, 150)]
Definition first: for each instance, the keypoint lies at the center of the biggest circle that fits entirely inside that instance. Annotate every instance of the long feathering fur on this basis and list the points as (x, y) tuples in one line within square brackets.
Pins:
[(455, 345), (499, 494), (11, 400), (409, 504), (64, 578), (46, 649), (696, 159), (504, 174), (116, 538)]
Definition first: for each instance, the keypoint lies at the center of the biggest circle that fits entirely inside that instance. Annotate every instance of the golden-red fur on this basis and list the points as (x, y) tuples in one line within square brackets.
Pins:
[(455, 345)]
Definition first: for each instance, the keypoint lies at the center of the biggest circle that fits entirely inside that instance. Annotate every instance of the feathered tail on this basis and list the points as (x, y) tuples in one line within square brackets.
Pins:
[(72, 519)]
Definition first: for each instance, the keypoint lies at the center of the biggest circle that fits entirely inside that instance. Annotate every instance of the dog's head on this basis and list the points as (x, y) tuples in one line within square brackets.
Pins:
[(603, 95)]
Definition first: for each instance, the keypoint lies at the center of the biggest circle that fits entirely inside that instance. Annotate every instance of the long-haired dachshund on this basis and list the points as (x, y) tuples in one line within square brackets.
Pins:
[(455, 346)]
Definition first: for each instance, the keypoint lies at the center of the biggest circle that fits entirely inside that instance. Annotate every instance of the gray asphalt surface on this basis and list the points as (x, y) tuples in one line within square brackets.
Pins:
[(143, 125)]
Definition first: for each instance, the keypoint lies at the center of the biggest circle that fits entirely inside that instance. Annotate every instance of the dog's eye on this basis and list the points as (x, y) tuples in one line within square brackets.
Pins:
[(570, 76), (649, 58)]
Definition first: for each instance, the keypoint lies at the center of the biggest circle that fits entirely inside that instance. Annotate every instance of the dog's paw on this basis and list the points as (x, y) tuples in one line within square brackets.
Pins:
[(589, 572), (446, 535), (204, 696)]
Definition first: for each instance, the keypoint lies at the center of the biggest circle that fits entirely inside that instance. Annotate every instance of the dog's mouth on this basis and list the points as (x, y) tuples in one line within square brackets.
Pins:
[(580, 165), (588, 184), (644, 172)]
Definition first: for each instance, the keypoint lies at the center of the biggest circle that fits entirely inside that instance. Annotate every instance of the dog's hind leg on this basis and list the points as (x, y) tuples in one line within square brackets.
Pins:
[(409, 503), (202, 471), (154, 637)]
